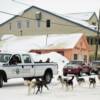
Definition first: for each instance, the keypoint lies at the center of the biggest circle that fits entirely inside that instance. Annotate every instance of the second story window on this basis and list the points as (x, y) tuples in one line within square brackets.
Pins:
[(38, 23), (75, 56), (27, 24), (9, 26), (19, 26), (94, 23), (91, 40), (48, 23)]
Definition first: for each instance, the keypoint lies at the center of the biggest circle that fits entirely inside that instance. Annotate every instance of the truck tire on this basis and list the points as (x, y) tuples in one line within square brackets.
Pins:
[(1, 81), (48, 77)]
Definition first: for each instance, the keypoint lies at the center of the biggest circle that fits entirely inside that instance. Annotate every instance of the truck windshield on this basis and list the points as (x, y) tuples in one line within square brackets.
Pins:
[(5, 58), (76, 62)]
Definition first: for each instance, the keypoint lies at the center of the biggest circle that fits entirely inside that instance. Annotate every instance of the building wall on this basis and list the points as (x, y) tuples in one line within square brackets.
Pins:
[(58, 25), (68, 54), (93, 19), (81, 50)]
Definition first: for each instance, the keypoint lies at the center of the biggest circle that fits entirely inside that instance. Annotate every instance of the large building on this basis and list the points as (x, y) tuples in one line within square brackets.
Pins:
[(34, 21)]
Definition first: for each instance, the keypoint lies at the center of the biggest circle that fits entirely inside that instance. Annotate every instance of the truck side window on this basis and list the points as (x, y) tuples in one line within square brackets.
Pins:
[(15, 60), (26, 58)]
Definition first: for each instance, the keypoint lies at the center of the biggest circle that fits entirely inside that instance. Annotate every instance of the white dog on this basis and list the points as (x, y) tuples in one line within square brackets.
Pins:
[(31, 85)]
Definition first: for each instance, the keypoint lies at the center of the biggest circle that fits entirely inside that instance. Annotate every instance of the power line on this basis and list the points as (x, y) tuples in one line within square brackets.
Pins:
[(25, 4), (7, 13), (36, 19)]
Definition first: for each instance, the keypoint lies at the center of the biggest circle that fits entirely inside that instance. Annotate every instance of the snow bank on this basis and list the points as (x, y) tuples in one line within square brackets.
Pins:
[(54, 57), (8, 37)]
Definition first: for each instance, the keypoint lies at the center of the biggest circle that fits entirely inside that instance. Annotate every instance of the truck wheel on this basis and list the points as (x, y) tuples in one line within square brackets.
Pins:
[(48, 77), (1, 81)]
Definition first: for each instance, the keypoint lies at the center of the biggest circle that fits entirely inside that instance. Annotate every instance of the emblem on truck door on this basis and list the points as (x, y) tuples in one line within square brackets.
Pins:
[(17, 71)]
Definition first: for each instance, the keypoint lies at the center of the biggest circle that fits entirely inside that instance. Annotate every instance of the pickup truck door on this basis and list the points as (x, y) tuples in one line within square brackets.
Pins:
[(27, 67), (11, 70), (25, 70)]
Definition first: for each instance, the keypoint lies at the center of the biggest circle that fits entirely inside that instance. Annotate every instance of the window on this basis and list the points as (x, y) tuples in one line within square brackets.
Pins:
[(99, 41), (19, 25), (85, 58), (94, 23), (48, 23), (26, 58), (91, 40), (4, 58), (75, 56), (9, 26), (27, 24), (38, 23), (15, 59), (88, 39), (95, 41)]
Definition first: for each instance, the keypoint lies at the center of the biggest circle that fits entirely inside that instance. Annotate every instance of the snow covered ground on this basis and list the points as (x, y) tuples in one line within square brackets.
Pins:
[(16, 90)]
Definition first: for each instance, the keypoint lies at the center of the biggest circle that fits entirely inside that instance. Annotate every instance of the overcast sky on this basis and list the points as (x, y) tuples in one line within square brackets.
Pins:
[(58, 6), (68, 6)]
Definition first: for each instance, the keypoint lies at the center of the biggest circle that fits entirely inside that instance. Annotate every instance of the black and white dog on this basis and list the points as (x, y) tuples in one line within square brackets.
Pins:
[(39, 84), (69, 82), (66, 82), (92, 81), (80, 80), (62, 80)]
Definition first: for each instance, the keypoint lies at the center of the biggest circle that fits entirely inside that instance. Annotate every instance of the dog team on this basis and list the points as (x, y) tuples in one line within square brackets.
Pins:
[(80, 80), (38, 84)]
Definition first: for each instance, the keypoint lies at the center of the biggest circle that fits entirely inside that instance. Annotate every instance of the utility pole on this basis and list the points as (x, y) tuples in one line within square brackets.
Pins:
[(46, 40), (97, 38)]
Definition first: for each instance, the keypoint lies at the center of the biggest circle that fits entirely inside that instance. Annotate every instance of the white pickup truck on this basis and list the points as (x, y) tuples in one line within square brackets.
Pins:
[(15, 65)]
